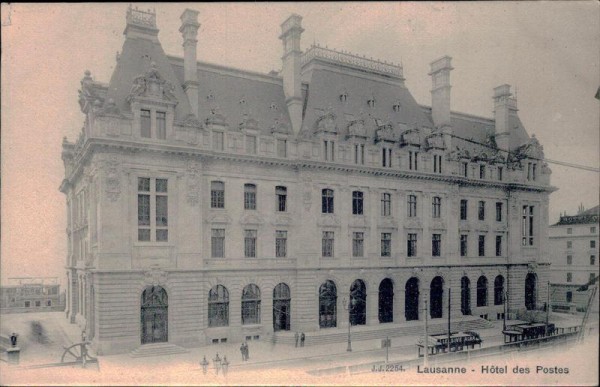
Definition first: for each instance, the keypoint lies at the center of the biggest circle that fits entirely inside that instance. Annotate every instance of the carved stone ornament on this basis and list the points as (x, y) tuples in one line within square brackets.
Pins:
[(385, 133), (248, 123), (532, 267), (280, 125), (110, 109), (328, 220), (459, 154), (191, 121), (193, 182), (112, 179), (411, 137), (436, 141), (326, 123), (357, 128), (152, 85), (251, 219), (533, 148), (155, 277)]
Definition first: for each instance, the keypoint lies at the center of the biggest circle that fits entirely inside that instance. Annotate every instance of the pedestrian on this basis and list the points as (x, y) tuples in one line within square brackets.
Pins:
[(247, 352), (296, 336), (243, 351), (302, 338)]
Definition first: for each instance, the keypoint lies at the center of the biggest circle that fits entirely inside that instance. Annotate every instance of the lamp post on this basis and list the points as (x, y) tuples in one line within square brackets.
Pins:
[(204, 365), (504, 297), (348, 307), (217, 363), (225, 365)]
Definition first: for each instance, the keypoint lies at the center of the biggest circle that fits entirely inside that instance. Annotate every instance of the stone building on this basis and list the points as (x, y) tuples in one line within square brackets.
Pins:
[(209, 204), (31, 294), (573, 244)]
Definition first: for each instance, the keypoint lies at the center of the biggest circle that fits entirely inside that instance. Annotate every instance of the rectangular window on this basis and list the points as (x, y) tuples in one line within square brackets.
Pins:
[(386, 244), (569, 277), (465, 169), (251, 145), (412, 206), (569, 245), (481, 212), (413, 160), (592, 276), (249, 197), (250, 243), (145, 124), (161, 125), (498, 245), (358, 244), (329, 150), (592, 230), (569, 231), (386, 204), (569, 296), (218, 141), (527, 226), (281, 193), (436, 245), (281, 148), (217, 194), (463, 209), (359, 154), (592, 260), (463, 246), (482, 245), (498, 212), (482, 172), (592, 244), (27, 304), (386, 157), (500, 170), (357, 203), (436, 204), (327, 201), (437, 163), (280, 244), (569, 259), (412, 245), (218, 243), (153, 200), (327, 244)]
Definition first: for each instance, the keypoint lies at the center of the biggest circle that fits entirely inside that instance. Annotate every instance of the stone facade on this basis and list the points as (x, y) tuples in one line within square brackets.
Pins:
[(191, 182)]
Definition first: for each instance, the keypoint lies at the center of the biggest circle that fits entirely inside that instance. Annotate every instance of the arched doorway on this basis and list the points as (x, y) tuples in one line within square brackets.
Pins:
[(499, 290), (530, 291), (281, 307), (386, 301), (327, 305), (436, 297), (251, 305), (358, 303), (465, 296), (155, 304), (482, 291), (411, 299)]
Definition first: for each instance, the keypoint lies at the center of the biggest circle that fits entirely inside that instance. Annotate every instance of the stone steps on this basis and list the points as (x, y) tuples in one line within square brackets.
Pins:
[(158, 349)]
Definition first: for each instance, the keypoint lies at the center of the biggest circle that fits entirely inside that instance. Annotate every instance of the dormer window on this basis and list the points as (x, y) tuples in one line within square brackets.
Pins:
[(371, 102), (153, 124), (145, 123), (531, 171), (242, 102), (273, 106), (161, 125), (210, 97), (343, 97), (396, 106)]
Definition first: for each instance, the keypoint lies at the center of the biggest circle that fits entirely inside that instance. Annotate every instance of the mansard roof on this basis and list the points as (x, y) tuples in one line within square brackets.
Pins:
[(586, 217)]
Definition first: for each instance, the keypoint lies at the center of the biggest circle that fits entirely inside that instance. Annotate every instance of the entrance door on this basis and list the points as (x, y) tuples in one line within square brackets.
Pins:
[(154, 315)]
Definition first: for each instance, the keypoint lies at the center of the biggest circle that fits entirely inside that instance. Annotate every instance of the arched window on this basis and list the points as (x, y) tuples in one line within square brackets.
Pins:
[(499, 290), (358, 303), (386, 301), (251, 305), (436, 297), (281, 307), (327, 305), (530, 291), (465, 296), (357, 203), (327, 201), (217, 194), (482, 291), (411, 299), (249, 197), (218, 306)]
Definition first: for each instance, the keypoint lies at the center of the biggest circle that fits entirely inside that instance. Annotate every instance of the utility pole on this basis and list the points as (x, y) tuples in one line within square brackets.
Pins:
[(548, 308), (504, 297)]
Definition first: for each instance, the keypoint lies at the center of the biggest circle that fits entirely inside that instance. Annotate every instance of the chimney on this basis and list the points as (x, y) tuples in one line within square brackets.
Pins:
[(189, 32), (141, 24), (291, 30), (440, 91), (504, 106)]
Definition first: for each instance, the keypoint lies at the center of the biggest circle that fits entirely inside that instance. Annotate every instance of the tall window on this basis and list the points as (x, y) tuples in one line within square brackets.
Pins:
[(498, 211), (386, 244), (463, 246), (569, 244), (527, 226), (161, 125), (358, 241), (218, 242), (412, 206), (218, 306), (218, 141), (327, 305), (531, 171), (329, 150), (592, 276), (327, 244), (327, 201), (251, 145), (499, 290), (465, 169), (569, 277), (153, 210), (437, 163), (281, 147), (463, 209), (251, 305), (498, 245), (413, 162), (592, 260), (482, 245), (145, 124), (357, 203), (481, 211), (249, 197), (386, 204), (412, 245), (217, 194), (281, 193), (569, 231), (569, 259), (482, 291), (280, 244), (250, 243), (569, 296), (592, 244), (500, 170), (386, 157), (482, 172), (436, 245), (359, 154), (436, 204)]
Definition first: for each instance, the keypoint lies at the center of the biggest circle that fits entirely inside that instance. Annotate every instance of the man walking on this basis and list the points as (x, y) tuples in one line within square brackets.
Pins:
[(296, 336), (243, 352), (247, 351), (302, 338)]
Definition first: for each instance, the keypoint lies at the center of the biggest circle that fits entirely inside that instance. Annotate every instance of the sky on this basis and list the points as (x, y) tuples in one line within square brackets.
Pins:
[(548, 51)]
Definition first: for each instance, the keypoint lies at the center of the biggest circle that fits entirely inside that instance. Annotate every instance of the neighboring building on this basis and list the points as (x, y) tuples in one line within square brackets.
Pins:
[(574, 257), (207, 203), (24, 295)]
